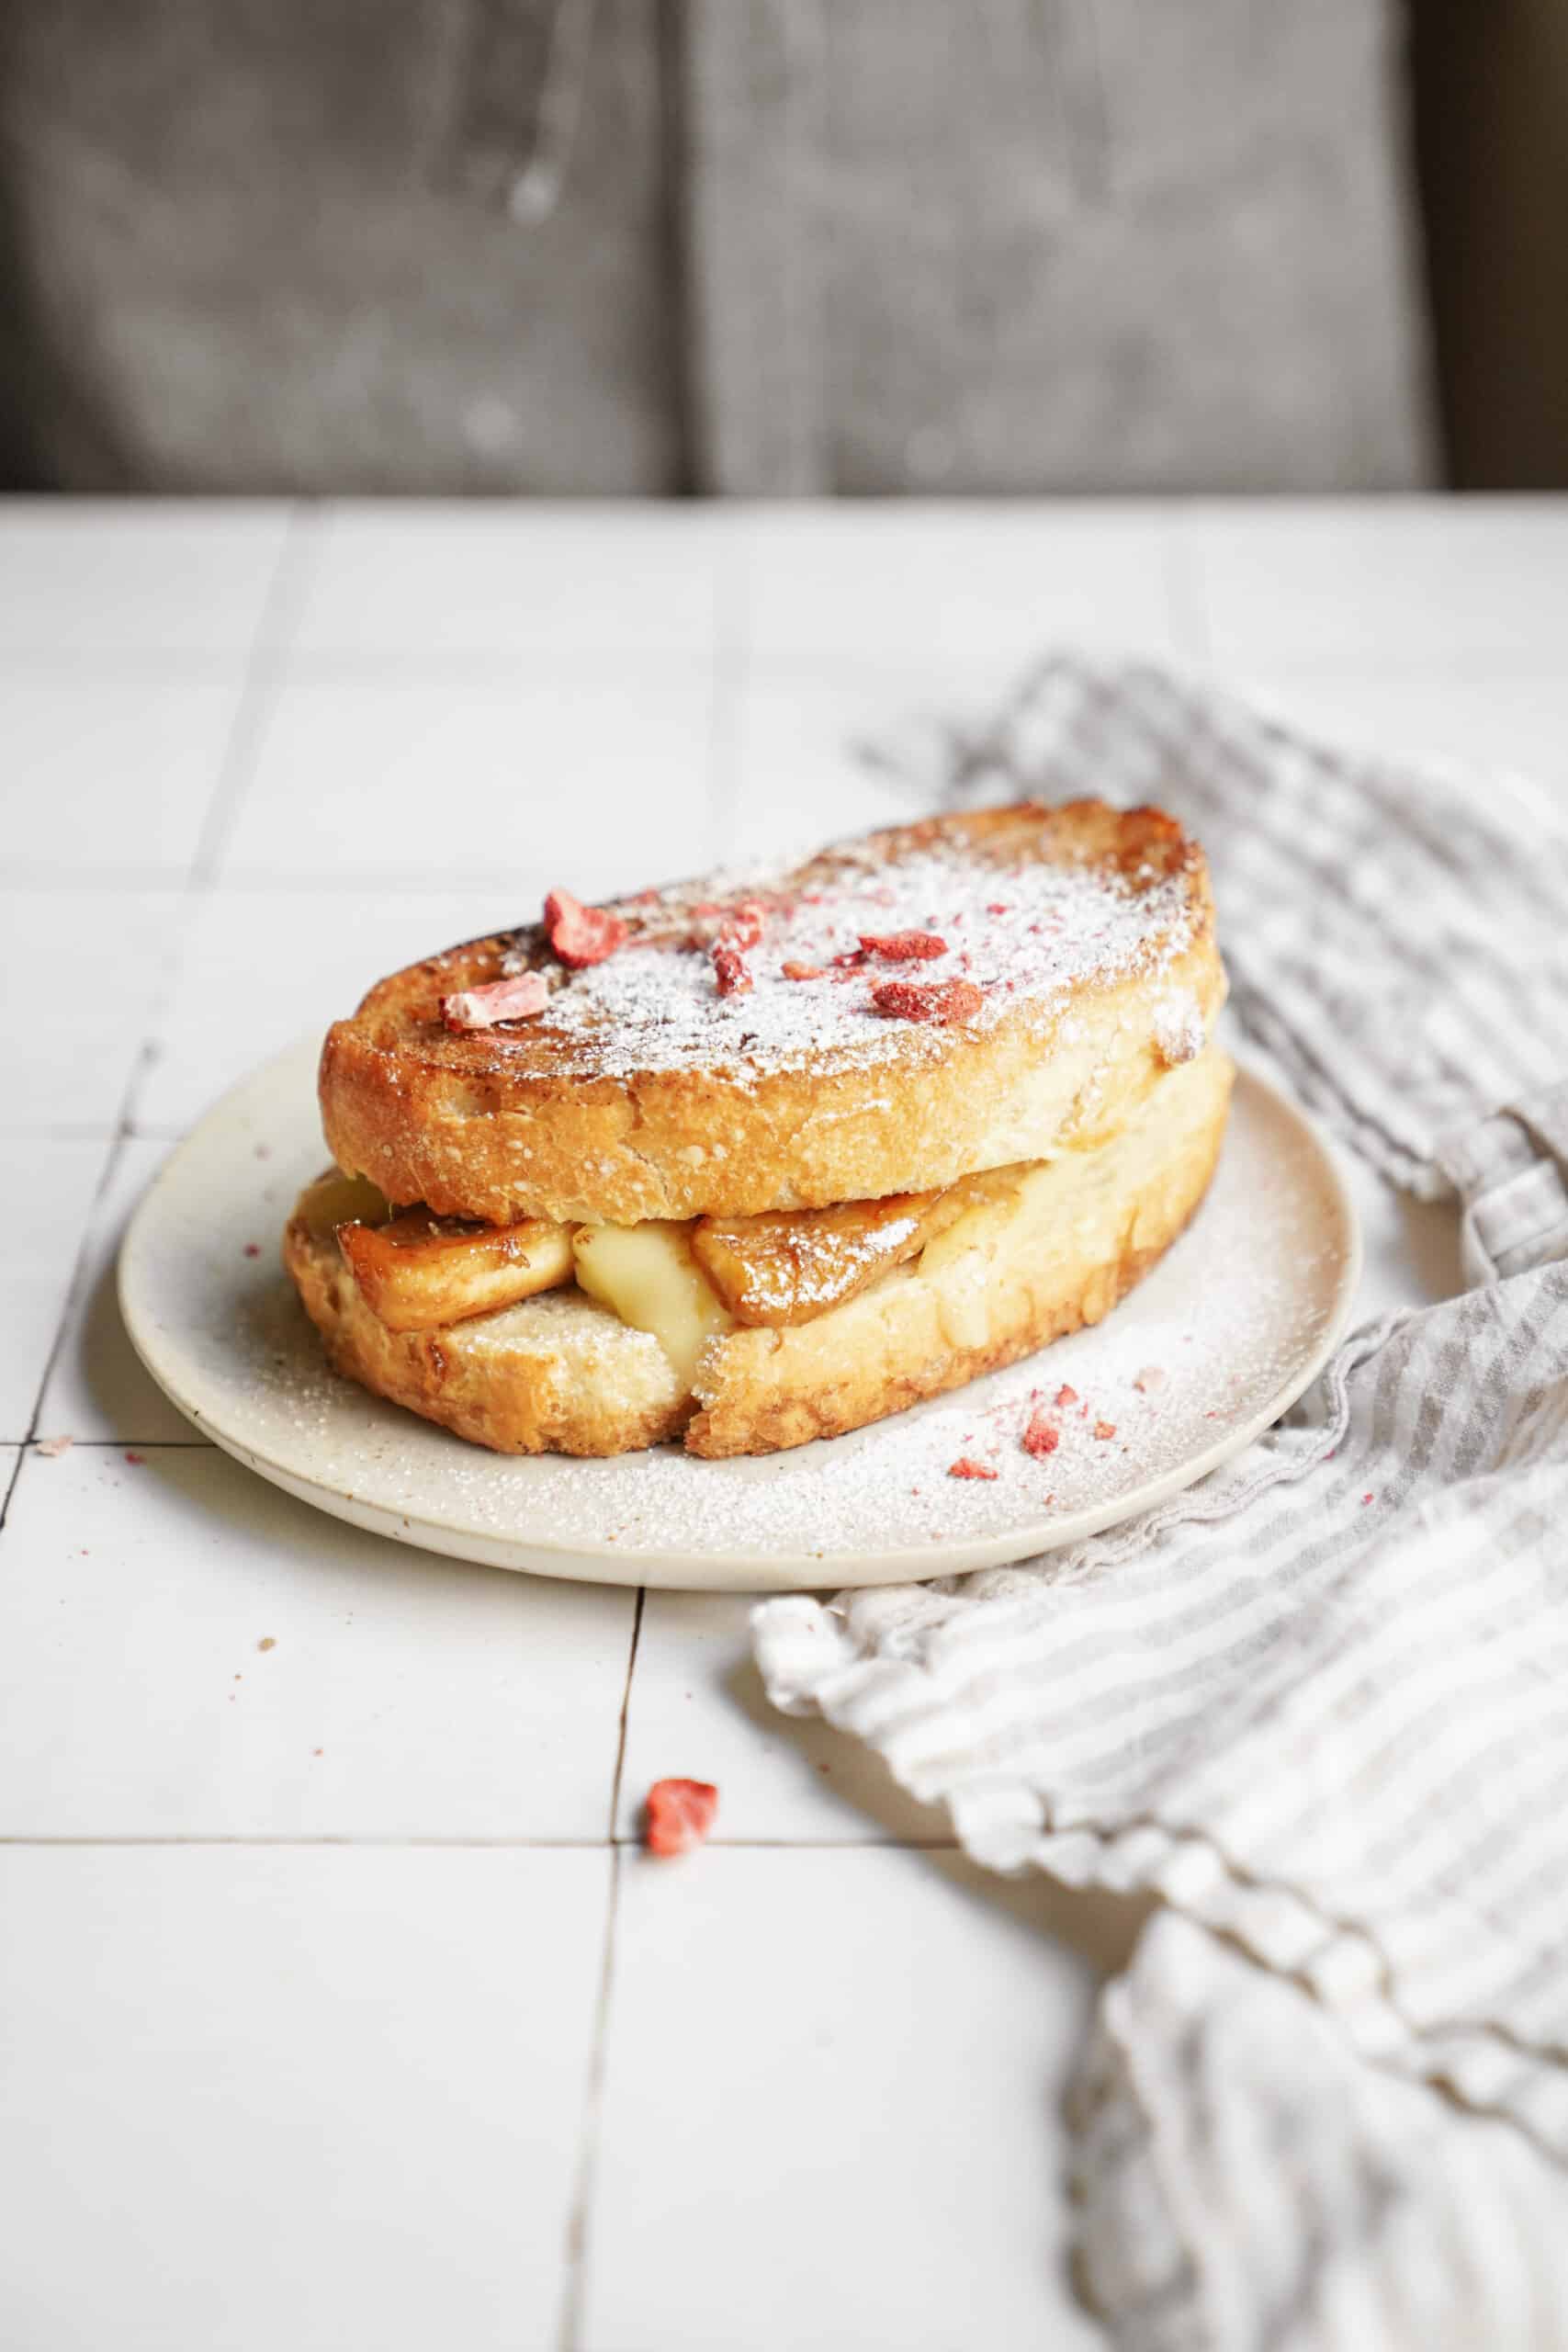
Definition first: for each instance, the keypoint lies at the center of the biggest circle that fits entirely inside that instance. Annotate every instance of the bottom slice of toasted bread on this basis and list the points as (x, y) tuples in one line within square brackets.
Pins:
[(560, 1373)]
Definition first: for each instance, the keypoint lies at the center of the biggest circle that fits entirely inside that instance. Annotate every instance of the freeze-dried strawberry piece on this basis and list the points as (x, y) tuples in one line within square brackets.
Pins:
[(716, 925), (497, 1000), (679, 1814), (740, 927), (730, 970), (581, 935), (793, 971), (967, 1467), (1105, 1429), (743, 925), (938, 1002), (902, 946), (1151, 1377), (1042, 1436), (1065, 1396)]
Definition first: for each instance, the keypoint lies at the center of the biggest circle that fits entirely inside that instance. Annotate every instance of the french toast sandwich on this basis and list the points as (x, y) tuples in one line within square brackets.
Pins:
[(747, 1163)]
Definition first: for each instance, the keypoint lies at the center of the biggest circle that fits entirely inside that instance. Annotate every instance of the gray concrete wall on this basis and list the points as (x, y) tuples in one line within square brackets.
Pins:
[(735, 245)]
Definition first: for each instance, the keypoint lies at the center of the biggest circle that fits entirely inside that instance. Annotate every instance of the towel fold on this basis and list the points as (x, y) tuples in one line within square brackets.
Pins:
[(1319, 1702)]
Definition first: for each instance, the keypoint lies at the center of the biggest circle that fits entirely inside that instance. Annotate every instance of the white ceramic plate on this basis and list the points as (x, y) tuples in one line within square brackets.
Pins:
[(1211, 1348)]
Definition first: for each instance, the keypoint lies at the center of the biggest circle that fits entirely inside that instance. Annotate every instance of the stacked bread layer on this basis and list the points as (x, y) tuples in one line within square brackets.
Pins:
[(1086, 935), (560, 1373)]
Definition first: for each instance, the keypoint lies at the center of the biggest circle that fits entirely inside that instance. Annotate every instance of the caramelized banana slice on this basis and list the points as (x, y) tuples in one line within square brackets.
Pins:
[(421, 1271), (792, 1265), (334, 1198)]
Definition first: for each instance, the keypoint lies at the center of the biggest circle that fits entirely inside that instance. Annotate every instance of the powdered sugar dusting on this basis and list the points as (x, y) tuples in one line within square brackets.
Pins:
[(1180, 1032), (1026, 935)]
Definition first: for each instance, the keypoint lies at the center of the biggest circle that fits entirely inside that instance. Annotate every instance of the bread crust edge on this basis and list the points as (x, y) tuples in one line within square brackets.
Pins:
[(587, 1385), (454, 1125)]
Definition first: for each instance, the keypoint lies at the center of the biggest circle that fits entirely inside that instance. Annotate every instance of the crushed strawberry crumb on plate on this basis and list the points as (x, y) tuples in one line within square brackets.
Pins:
[(967, 1467), (1042, 1436), (679, 1814)]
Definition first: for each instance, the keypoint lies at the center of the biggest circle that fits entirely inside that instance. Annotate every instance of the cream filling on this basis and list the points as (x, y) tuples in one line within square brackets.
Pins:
[(648, 1276)]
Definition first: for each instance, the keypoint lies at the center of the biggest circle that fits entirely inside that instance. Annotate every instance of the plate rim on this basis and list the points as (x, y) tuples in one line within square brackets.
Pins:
[(745, 1569)]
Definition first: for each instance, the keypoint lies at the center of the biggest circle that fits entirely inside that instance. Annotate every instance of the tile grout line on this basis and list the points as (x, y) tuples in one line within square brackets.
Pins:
[(11, 1486), (118, 1139), (232, 768), (118, 1445), (624, 1716), (575, 2252), (220, 1841), (196, 881), (263, 668), (74, 1288)]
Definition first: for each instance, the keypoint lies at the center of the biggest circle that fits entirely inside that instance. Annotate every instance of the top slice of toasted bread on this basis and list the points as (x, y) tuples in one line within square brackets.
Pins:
[(1082, 939)]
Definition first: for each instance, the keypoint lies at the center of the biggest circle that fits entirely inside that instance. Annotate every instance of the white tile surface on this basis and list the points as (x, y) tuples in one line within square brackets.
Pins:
[(514, 581), (698, 1713), (344, 2082), (420, 782), (97, 1387), (446, 1702), (1375, 584), (47, 1185), (258, 2099), (830, 2109), (793, 750), (954, 592), (80, 977), (109, 777), (255, 969), (179, 578)]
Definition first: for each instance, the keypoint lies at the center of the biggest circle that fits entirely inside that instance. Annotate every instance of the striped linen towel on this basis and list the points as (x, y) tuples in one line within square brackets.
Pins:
[(1319, 1703)]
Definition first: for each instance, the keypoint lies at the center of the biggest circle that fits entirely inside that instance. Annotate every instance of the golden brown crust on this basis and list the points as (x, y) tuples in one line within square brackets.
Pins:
[(546, 1120), (557, 1373), (915, 1334)]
